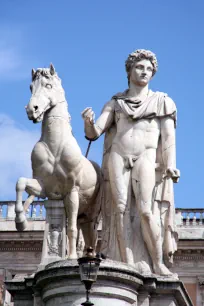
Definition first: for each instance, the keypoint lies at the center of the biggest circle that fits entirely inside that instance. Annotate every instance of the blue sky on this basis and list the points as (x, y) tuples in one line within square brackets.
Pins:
[(88, 42)]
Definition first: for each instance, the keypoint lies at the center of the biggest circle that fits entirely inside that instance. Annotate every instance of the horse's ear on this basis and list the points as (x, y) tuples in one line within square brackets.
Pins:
[(33, 73), (52, 69)]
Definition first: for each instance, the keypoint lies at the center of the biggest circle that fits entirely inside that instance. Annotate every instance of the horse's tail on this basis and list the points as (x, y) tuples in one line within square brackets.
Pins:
[(96, 209)]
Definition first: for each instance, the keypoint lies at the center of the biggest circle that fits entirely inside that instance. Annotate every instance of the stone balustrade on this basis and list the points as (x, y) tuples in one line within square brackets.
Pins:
[(184, 216), (190, 217), (36, 211)]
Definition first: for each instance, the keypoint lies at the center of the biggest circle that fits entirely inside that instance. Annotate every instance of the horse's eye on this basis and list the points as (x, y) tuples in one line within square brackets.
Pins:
[(31, 88), (49, 86)]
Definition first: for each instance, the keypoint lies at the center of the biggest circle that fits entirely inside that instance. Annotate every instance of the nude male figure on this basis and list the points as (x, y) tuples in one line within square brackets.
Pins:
[(143, 119)]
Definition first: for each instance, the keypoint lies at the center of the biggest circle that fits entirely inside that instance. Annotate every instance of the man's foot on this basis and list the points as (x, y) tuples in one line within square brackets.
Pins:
[(162, 270)]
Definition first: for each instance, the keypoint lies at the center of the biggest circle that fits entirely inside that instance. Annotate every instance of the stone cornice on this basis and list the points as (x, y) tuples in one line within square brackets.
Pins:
[(189, 255), (21, 236), (21, 246)]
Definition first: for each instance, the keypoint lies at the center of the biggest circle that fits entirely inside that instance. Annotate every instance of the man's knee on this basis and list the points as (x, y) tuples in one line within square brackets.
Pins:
[(146, 214), (121, 206)]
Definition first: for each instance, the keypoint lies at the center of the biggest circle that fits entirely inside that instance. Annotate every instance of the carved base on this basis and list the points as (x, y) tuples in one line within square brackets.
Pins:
[(117, 285), (54, 242)]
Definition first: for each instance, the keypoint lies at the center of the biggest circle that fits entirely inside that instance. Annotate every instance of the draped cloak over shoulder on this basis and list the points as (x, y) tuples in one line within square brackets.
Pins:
[(155, 105)]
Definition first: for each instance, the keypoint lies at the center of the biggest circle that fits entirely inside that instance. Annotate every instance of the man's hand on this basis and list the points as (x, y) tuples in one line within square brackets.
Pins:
[(88, 115), (174, 174)]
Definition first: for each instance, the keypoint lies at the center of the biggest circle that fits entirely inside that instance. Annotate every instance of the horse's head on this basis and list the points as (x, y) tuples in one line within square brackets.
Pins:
[(46, 90)]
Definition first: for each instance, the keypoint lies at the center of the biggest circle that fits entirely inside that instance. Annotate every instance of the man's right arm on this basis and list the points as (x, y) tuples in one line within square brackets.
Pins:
[(94, 130)]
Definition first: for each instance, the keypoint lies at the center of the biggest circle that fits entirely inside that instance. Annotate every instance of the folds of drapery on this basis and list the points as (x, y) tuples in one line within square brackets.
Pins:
[(156, 105)]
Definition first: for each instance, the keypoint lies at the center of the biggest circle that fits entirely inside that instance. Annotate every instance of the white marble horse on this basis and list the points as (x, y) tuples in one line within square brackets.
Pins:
[(60, 171)]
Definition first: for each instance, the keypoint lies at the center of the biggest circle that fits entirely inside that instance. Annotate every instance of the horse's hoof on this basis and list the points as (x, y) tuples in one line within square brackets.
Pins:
[(21, 226), (143, 268)]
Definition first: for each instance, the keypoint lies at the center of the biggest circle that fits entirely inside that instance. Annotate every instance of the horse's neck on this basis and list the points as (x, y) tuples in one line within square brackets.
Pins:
[(59, 110), (56, 128)]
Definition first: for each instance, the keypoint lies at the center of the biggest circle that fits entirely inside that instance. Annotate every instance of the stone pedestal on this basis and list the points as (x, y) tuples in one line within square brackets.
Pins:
[(54, 242), (117, 285)]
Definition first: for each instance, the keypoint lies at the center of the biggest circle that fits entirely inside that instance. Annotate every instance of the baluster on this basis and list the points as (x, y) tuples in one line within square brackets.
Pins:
[(1, 211), (201, 218), (11, 210), (187, 219), (28, 212), (182, 221), (194, 219), (41, 211), (34, 212)]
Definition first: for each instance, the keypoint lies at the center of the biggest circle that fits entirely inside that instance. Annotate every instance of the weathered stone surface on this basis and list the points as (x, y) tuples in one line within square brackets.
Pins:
[(22, 292), (54, 242), (139, 168), (60, 171), (117, 284)]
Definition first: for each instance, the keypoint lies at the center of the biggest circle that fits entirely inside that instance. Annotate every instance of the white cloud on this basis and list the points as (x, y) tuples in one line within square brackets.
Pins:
[(16, 144)]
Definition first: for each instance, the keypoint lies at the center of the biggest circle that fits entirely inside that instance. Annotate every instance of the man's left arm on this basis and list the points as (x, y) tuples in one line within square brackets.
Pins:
[(169, 148)]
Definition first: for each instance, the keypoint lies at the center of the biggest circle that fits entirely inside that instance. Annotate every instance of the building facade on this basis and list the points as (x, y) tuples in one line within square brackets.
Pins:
[(20, 252)]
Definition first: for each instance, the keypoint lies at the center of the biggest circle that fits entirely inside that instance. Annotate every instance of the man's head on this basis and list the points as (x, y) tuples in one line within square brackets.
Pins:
[(142, 56)]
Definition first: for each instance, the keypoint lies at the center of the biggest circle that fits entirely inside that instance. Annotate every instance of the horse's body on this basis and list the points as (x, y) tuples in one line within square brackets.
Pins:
[(60, 171)]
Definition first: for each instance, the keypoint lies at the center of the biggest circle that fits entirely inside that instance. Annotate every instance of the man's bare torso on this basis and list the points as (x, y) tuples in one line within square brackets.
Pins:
[(134, 137)]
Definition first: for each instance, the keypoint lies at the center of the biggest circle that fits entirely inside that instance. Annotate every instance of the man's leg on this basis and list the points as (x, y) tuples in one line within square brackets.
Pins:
[(143, 185), (119, 189)]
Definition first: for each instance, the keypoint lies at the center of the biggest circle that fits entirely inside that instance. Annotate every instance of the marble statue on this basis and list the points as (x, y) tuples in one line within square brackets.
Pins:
[(139, 168), (60, 171)]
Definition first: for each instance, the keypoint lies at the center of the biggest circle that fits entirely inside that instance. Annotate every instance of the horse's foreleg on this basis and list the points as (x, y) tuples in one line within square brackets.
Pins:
[(20, 219), (71, 204), (33, 188), (89, 230), (28, 201)]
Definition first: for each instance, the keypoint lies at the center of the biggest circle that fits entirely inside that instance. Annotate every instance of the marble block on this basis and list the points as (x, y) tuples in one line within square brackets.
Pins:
[(54, 241), (118, 284)]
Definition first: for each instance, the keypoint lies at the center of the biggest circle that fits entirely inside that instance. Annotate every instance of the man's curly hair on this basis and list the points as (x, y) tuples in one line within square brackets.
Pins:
[(138, 55)]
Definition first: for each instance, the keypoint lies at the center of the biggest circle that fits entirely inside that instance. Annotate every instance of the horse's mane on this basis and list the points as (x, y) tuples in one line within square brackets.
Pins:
[(44, 72)]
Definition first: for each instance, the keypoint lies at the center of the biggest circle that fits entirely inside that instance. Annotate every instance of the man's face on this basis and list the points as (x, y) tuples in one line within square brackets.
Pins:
[(141, 72)]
